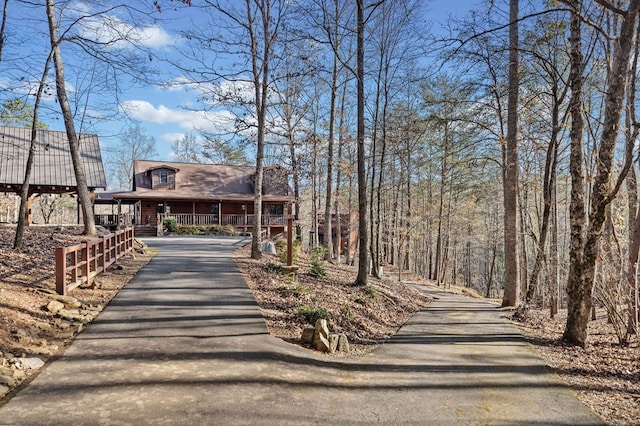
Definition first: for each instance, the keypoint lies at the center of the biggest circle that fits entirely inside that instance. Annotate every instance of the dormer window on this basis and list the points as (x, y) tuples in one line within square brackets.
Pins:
[(163, 177)]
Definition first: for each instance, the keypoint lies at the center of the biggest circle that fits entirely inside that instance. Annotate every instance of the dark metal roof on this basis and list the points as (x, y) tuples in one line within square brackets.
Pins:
[(52, 165), (207, 182)]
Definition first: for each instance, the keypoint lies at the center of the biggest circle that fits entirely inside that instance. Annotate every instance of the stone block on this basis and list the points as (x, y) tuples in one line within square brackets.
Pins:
[(54, 307), (307, 334), (333, 342), (343, 343)]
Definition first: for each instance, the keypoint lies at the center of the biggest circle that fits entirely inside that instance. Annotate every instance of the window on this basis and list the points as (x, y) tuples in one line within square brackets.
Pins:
[(276, 209), (163, 176)]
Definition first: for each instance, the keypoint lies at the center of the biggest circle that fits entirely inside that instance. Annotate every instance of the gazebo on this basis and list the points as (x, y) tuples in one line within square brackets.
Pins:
[(52, 171)]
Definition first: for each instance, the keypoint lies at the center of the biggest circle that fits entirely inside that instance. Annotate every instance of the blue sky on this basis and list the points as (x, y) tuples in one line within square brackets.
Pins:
[(164, 112)]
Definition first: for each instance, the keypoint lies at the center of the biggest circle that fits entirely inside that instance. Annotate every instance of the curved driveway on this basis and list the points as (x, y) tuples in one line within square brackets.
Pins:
[(185, 343)]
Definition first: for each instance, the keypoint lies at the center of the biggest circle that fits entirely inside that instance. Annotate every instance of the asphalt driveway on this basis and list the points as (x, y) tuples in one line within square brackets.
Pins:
[(185, 343)]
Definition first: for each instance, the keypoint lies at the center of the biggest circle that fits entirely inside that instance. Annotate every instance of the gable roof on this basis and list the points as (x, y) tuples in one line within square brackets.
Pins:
[(52, 166), (203, 182)]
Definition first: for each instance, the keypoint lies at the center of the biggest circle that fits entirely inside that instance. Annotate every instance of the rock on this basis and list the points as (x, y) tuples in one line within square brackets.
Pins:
[(333, 342), (322, 344), (44, 326), (70, 314), (3, 391), (307, 334), (32, 363), (62, 324), (94, 308), (268, 247), (5, 380), (321, 336), (69, 302), (343, 343), (7, 372)]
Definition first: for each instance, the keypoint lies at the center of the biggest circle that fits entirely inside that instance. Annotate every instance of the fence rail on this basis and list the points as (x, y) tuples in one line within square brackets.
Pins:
[(81, 263)]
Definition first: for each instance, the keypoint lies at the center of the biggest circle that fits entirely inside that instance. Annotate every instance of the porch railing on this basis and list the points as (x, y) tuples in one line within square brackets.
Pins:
[(239, 220)]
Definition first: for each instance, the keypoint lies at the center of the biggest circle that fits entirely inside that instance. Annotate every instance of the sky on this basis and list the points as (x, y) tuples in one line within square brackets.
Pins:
[(165, 112)]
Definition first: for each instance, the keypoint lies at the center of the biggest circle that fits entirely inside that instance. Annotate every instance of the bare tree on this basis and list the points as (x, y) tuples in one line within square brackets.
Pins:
[(510, 181), (586, 238), (135, 144), (84, 198), (24, 190)]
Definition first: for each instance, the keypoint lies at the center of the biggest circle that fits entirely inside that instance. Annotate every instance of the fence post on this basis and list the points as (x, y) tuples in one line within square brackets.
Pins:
[(61, 271)]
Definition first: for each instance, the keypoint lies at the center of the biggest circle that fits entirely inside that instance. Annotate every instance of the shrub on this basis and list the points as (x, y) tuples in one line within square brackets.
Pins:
[(273, 267), (366, 295), (170, 223), (281, 246), (187, 230), (313, 313), (317, 262), (295, 290)]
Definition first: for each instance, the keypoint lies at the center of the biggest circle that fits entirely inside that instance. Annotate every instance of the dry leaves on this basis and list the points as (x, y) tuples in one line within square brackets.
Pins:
[(367, 316), (605, 375), (26, 272)]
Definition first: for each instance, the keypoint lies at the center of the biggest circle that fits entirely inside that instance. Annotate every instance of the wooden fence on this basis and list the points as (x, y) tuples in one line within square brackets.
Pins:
[(81, 263)]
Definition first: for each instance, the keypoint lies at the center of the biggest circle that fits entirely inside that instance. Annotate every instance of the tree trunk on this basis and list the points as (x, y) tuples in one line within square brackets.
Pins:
[(549, 184), (510, 180), (582, 274), (363, 264), (24, 190), (84, 196)]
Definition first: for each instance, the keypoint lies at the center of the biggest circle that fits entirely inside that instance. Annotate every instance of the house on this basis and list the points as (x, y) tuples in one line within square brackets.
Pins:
[(205, 194), (52, 170)]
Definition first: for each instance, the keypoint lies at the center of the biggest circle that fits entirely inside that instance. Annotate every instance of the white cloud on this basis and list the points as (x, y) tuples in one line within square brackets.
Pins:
[(112, 31), (217, 121)]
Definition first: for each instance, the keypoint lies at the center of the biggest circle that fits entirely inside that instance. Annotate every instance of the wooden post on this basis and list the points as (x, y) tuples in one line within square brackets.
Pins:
[(29, 205), (61, 272), (289, 236)]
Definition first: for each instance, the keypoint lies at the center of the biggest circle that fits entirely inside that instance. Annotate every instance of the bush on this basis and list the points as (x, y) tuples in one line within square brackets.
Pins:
[(366, 295), (170, 223), (317, 262), (273, 267), (313, 313), (281, 246)]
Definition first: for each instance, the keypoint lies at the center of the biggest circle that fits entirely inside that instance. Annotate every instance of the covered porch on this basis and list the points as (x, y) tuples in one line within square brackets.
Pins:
[(148, 215)]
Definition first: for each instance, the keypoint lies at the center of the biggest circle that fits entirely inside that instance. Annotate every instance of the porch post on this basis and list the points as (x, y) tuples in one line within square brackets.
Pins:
[(120, 218), (219, 213), (289, 236)]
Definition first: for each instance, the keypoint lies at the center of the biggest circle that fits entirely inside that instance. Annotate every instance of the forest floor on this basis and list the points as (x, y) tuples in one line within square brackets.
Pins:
[(605, 376)]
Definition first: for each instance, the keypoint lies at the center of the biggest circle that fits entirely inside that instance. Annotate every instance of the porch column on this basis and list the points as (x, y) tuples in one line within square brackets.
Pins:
[(30, 199), (120, 218), (289, 236), (219, 213)]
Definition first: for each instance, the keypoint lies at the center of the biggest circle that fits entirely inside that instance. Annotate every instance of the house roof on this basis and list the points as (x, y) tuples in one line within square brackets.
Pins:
[(205, 182), (52, 166)]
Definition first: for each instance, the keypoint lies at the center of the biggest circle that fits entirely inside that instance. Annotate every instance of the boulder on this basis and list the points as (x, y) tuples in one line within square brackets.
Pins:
[(70, 314), (321, 336), (55, 306), (69, 302), (307, 334), (32, 363), (343, 343), (333, 342), (8, 381), (268, 247)]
